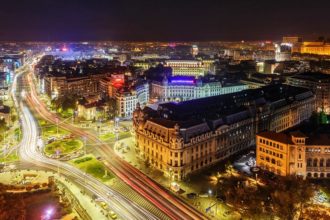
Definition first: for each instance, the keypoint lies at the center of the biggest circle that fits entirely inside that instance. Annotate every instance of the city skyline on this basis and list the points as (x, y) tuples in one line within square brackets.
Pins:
[(159, 110), (162, 21)]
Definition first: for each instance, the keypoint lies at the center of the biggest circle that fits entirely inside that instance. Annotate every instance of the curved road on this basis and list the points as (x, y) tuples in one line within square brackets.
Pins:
[(29, 152), (166, 202)]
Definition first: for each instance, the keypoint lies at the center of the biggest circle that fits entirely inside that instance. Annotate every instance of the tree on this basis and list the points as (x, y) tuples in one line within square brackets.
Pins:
[(69, 102), (13, 118), (3, 128), (111, 103), (290, 196), (3, 125), (229, 168), (65, 103)]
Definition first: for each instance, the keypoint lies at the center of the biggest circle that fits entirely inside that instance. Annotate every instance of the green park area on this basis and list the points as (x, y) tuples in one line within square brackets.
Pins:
[(50, 130), (111, 136), (92, 166), (63, 147), (10, 158), (107, 136)]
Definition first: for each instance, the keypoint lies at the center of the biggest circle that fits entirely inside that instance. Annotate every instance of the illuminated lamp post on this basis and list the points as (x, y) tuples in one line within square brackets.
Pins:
[(255, 170)]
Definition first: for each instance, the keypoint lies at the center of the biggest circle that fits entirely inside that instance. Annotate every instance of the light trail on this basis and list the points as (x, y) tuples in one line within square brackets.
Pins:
[(125, 208), (169, 204)]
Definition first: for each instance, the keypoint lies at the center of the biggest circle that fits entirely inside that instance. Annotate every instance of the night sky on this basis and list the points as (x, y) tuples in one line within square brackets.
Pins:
[(174, 20)]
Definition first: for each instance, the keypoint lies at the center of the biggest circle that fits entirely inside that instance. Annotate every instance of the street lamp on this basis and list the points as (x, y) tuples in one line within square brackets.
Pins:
[(116, 122), (48, 214), (56, 119), (255, 170), (210, 192)]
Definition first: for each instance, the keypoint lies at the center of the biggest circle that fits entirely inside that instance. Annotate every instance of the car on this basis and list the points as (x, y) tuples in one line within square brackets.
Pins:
[(104, 205), (112, 214), (191, 195)]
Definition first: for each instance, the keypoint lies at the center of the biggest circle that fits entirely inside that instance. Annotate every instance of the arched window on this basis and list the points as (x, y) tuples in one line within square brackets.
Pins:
[(328, 163), (309, 175), (316, 175), (322, 175), (315, 162), (321, 162), (309, 162), (273, 161), (328, 175)]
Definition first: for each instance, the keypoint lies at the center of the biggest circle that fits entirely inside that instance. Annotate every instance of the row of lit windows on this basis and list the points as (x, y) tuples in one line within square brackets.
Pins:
[(270, 143), (317, 150), (271, 160), (271, 152)]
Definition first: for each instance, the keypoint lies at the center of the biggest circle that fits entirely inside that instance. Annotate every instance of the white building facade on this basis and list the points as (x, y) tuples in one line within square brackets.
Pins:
[(187, 89)]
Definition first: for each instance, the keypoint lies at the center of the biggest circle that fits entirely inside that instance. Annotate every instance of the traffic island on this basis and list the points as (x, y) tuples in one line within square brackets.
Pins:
[(92, 166), (62, 148)]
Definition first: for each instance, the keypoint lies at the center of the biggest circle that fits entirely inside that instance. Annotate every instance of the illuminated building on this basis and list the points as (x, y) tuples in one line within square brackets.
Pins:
[(126, 102), (149, 57), (92, 111), (319, 83), (194, 50), (186, 67), (243, 55), (318, 48), (181, 88), (291, 39), (110, 84), (283, 52), (263, 55), (181, 138), (57, 85), (142, 64), (294, 154), (4, 85), (127, 99), (295, 41), (126, 94), (142, 92)]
